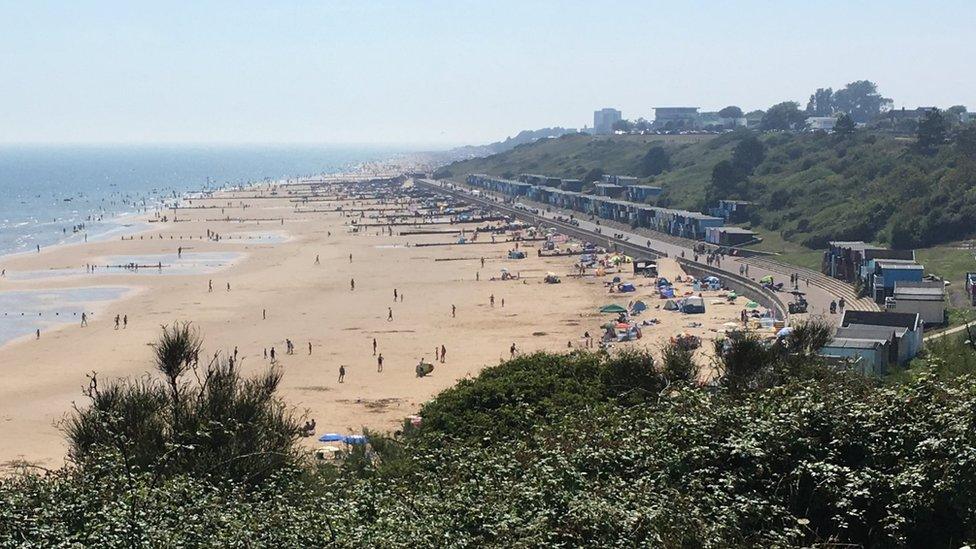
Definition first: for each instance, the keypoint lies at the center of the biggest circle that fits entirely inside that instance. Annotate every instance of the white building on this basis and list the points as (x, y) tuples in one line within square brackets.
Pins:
[(825, 123)]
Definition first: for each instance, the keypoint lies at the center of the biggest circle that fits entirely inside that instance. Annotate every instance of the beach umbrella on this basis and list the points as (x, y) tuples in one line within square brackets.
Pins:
[(752, 305), (332, 437), (612, 309)]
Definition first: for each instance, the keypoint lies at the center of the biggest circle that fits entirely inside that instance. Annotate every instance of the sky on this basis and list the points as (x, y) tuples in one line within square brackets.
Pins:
[(433, 73)]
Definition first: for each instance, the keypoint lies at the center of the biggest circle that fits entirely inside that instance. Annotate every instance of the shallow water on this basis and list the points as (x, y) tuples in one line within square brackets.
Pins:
[(24, 311), (172, 264)]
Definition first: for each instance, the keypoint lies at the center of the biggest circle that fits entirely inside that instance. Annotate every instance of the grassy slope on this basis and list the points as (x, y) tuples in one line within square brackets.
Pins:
[(572, 155), (829, 188)]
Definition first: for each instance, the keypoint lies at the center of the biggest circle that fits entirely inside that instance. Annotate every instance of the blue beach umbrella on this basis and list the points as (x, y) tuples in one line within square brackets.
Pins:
[(332, 437)]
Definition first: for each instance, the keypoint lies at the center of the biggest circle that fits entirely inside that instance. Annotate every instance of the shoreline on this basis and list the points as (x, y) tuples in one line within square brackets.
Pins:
[(276, 292)]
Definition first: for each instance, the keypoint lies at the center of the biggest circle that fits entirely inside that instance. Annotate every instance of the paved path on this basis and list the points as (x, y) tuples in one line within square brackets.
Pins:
[(819, 294)]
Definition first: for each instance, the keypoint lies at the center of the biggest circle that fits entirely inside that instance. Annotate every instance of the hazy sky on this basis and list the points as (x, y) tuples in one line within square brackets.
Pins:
[(448, 72)]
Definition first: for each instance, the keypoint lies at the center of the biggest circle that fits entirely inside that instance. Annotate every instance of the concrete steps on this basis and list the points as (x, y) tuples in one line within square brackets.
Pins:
[(828, 284)]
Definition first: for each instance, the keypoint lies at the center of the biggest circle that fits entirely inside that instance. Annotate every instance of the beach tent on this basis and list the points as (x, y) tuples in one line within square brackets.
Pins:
[(693, 305), (663, 282), (612, 309), (670, 305), (638, 307), (666, 291), (616, 279), (626, 287), (332, 437)]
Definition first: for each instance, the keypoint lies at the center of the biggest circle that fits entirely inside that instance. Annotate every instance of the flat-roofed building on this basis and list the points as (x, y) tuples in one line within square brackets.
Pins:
[(927, 299), (676, 118)]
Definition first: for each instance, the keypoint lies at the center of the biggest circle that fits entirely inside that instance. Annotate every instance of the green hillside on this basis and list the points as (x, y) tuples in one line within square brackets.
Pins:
[(809, 187)]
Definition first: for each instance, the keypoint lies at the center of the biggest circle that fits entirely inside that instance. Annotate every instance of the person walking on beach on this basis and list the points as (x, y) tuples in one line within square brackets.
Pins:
[(379, 363), (228, 286), (38, 330), (210, 286), (511, 350), (352, 284), (482, 262), (503, 302), (491, 300), (350, 258), (264, 314), (342, 373), (437, 353), (272, 355), (453, 311), (389, 314), (125, 321), (316, 259), (116, 322), (374, 346), (443, 353), (84, 320), (477, 276), (394, 295), (179, 252), (266, 353)]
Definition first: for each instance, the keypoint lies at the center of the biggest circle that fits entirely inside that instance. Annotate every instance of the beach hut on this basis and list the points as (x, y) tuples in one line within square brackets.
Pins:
[(612, 309), (693, 305)]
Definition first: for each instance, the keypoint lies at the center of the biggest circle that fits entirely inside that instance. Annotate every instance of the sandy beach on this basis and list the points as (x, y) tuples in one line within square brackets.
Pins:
[(277, 291)]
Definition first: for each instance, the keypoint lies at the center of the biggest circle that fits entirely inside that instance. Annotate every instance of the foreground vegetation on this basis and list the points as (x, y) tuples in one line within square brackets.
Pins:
[(547, 450)]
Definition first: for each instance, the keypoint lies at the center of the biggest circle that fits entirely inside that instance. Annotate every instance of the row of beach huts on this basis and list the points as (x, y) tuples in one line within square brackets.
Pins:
[(621, 198)]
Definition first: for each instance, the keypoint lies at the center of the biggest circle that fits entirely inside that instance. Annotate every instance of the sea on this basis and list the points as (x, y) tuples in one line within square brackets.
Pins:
[(58, 194)]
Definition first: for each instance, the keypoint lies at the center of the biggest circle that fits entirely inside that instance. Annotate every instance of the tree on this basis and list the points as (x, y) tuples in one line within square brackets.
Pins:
[(783, 116), (821, 102), (844, 125), (954, 115), (654, 162), (623, 126), (642, 125), (861, 100), (730, 112), (748, 154), (932, 131), (966, 142), (595, 174)]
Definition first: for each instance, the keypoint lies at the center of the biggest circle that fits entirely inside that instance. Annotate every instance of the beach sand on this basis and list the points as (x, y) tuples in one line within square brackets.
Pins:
[(306, 303)]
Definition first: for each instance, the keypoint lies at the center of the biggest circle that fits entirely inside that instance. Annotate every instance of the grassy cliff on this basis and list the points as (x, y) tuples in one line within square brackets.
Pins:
[(810, 188)]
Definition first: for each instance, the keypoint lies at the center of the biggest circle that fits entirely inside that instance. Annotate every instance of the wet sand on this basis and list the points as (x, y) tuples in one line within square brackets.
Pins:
[(306, 303)]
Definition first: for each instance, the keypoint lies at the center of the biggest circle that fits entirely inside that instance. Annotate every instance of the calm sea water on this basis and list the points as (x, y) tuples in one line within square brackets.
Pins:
[(48, 191)]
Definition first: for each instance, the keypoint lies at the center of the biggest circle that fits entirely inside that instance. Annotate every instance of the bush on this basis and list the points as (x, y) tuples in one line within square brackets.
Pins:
[(207, 421)]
